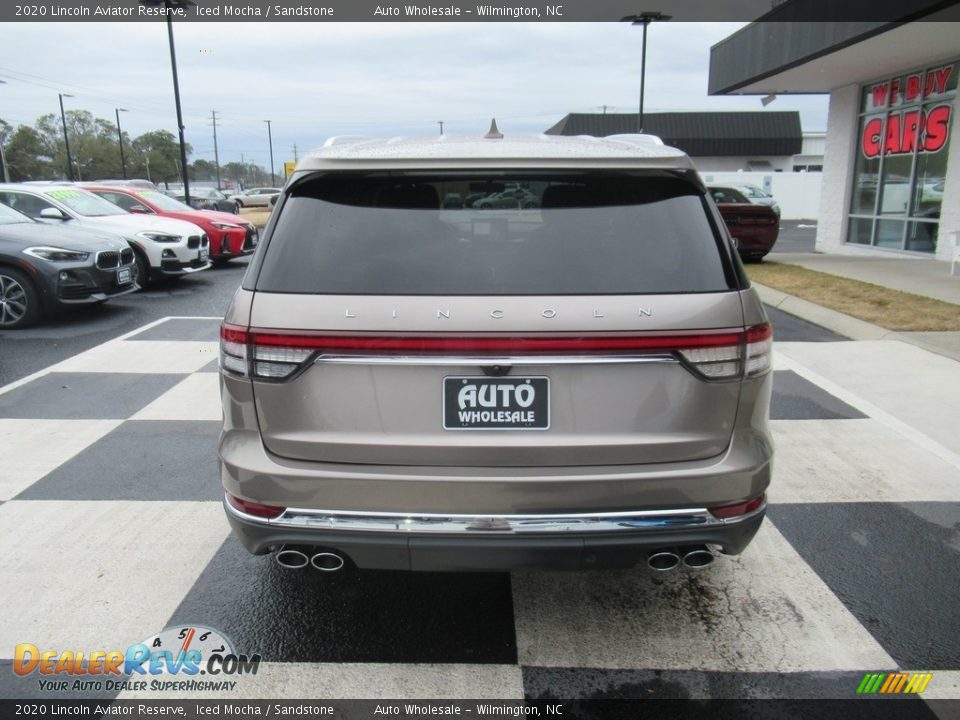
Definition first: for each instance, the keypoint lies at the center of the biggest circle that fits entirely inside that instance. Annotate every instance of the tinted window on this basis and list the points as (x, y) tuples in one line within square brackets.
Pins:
[(728, 195), (11, 217), (504, 234)]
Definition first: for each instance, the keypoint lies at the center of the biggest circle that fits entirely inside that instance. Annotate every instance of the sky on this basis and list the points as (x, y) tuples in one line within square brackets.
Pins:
[(315, 80)]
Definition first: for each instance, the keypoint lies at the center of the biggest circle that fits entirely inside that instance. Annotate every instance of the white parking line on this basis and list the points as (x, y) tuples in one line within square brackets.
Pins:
[(51, 368)]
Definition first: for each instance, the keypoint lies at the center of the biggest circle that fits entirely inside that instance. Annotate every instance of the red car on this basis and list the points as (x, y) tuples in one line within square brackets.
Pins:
[(230, 235), (754, 228)]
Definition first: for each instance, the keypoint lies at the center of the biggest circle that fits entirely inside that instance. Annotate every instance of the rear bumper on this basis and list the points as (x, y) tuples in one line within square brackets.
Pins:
[(484, 549)]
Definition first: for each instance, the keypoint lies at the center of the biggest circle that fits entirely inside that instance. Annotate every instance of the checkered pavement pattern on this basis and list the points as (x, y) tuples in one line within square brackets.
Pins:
[(111, 528)]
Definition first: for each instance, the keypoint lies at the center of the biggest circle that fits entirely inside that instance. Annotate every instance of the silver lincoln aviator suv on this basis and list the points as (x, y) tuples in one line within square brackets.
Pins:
[(495, 352)]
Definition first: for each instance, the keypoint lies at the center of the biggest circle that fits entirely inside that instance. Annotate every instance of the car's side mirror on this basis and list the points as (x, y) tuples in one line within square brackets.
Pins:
[(53, 214), (139, 210)]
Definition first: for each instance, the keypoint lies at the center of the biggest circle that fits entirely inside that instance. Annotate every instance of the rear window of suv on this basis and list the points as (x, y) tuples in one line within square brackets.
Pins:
[(494, 233)]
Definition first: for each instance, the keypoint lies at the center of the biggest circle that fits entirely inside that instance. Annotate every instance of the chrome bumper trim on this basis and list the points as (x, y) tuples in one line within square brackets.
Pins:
[(458, 360), (455, 524)]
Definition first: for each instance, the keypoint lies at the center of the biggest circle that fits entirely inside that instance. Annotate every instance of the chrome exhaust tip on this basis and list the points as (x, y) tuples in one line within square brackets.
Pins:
[(698, 557), (292, 558), (327, 561), (663, 560)]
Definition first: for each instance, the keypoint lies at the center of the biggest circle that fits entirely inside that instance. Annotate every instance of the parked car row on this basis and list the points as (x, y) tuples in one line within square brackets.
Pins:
[(68, 244)]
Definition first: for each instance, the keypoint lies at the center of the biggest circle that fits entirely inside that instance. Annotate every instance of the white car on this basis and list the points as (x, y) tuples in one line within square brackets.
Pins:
[(163, 247), (756, 196), (255, 197)]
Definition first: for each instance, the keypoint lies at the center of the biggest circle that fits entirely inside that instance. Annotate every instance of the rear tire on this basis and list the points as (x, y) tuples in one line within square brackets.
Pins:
[(19, 300)]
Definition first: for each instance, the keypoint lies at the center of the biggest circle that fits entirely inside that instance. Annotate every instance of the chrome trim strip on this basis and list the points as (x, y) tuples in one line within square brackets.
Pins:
[(459, 524), (448, 360)]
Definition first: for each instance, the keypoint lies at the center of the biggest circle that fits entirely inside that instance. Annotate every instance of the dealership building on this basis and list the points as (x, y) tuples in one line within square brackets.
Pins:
[(891, 173)]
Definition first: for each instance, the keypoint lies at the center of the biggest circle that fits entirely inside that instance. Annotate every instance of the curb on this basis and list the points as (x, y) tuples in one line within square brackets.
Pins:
[(841, 324)]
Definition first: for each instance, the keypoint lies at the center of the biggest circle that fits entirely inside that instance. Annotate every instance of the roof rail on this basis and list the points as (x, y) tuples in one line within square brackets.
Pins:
[(345, 140), (636, 138)]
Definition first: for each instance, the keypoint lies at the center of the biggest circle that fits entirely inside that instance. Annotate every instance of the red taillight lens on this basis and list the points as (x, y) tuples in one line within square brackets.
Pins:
[(251, 508), (435, 345), (233, 349), (759, 350), (728, 511), (715, 354)]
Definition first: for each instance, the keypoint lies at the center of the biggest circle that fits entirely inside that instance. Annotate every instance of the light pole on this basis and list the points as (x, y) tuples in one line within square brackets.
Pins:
[(66, 140), (273, 177), (644, 18), (170, 5), (123, 163), (3, 160)]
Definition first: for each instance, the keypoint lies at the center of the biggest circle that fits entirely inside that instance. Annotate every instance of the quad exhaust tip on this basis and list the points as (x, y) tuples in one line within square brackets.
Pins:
[(694, 557), (698, 557), (292, 558), (327, 561), (663, 560), (295, 557)]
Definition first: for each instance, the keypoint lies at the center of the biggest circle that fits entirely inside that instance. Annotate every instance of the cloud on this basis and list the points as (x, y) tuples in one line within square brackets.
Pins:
[(319, 79)]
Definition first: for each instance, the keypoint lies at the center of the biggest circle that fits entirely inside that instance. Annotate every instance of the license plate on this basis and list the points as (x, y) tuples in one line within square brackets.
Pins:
[(124, 276), (496, 403), (204, 253)]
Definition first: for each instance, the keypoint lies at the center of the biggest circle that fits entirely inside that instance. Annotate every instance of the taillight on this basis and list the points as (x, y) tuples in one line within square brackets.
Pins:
[(714, 354), (243, 353), (759, 349), (750, 356), (725, 512)]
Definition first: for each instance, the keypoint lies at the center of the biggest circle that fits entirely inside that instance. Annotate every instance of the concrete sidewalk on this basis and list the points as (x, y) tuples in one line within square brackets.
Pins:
[(921, 276)]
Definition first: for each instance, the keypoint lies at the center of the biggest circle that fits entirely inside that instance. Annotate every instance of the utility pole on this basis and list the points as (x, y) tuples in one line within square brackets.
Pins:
[(604, 109), (273, 176), (66, 140), (644, 18), (440, 123), (123, 163), (216, 152), (169, 5), (295, 157)]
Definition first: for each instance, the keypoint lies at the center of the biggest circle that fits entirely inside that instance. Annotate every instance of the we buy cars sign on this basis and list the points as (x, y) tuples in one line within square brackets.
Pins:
[(925, 128)]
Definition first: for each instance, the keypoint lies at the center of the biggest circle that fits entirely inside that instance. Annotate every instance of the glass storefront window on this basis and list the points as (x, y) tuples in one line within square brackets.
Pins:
[(861, 231), (904, 129)]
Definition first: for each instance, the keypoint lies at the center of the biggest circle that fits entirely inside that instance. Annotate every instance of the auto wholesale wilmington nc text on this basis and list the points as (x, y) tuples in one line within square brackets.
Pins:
[(490, 11)]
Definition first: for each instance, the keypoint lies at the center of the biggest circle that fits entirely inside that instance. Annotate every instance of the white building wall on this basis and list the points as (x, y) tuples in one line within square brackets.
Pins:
[(838, 159), (950, 209), (813, 144), (797, 194), (734, 164)]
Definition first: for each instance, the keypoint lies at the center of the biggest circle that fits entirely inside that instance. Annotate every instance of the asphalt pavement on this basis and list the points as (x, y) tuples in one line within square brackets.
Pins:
[(64, 335)]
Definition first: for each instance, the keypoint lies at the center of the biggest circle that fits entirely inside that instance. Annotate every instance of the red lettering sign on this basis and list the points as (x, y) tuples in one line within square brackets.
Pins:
[(871, 138), (938, 124), (888, 92), (906, 131)]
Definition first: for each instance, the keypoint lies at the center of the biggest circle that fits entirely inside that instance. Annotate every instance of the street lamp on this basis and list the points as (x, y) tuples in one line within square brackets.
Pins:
[(66, 140), (123, 163), (273, 177), (170, 5), (3, 160), (644, 18)]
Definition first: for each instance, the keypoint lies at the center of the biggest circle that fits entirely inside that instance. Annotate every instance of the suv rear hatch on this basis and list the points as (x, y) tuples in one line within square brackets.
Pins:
[(399, 320)]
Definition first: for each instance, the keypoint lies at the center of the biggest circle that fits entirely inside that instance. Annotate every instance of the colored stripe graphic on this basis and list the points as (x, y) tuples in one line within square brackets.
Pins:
[(894, 683)]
